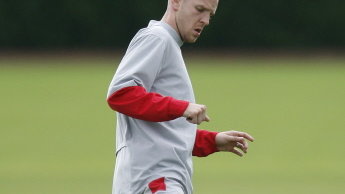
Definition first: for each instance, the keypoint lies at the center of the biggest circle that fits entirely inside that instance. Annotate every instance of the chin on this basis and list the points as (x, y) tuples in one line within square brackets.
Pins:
[(191, 40)]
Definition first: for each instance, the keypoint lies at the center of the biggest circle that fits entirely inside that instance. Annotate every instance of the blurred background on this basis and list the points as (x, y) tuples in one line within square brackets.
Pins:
[(273, 68), (112, 23)]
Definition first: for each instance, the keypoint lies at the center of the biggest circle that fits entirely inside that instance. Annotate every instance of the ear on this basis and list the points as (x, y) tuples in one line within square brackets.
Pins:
[(176, 4)]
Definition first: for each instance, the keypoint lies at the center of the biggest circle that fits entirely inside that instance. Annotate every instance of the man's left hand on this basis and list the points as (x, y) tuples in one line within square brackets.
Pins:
[(233, 141)]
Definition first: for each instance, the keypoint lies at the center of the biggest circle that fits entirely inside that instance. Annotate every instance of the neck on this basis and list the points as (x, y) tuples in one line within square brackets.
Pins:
[(171, 20)]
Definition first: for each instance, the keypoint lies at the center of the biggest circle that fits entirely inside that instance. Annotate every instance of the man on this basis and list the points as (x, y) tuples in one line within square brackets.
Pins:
[(157, 115)]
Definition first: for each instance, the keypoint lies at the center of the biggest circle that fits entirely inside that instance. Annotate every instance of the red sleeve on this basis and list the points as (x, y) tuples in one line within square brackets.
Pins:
[(205, 143), (135, 102)]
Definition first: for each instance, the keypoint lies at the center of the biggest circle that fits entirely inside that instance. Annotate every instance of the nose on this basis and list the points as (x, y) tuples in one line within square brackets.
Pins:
[(205, 19)]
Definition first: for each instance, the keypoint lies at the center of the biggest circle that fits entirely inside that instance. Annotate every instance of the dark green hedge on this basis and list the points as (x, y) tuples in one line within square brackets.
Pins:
[(112, 23)]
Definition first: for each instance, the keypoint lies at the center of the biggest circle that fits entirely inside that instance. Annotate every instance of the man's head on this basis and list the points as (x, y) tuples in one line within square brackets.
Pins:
[(189, 17)]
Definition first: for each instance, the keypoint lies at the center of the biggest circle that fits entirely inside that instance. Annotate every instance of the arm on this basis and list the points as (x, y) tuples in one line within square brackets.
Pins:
[(207, 142), (135, 102), (128, 91)]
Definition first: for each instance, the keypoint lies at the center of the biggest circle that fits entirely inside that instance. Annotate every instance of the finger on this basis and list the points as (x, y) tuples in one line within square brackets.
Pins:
[(207, 118), (202, 115), (239, 141), (249, 137), (235, 139), (246, 145), (203, 108), (235, 151), (242, 147), (200, 118), (243, 142), (195, 119), (243, 134)]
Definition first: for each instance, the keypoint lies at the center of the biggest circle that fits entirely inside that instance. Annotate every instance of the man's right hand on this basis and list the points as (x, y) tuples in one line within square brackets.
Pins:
[(196, 113)]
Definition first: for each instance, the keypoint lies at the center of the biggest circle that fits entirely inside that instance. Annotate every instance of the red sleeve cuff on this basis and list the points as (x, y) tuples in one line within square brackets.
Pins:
[(205, 143), (177, 107)]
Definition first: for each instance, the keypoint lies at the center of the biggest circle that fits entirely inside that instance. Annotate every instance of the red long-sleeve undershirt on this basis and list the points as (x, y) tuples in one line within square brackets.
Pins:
[(136, 102), (205, 143)]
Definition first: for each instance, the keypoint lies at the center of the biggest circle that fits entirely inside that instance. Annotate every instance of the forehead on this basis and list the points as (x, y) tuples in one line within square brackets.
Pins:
[(208, 4)]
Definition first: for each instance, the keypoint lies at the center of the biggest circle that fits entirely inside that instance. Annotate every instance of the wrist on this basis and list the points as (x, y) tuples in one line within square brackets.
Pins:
[(185, 111)]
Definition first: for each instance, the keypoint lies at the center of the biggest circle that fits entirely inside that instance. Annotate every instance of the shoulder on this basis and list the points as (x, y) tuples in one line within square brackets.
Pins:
[(159, 32), (153, 34)]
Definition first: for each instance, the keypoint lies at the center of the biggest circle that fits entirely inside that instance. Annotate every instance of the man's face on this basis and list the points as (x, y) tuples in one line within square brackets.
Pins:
[(192, 16)]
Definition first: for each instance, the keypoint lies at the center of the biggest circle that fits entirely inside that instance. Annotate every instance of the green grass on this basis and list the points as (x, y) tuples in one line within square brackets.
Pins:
[(57, 133)]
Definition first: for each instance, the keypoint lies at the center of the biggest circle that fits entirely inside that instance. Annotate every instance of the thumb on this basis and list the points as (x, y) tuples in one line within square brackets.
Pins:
[(207, 118)]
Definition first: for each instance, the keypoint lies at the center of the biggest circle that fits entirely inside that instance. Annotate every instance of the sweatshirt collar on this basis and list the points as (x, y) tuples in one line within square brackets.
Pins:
[(170, 30)]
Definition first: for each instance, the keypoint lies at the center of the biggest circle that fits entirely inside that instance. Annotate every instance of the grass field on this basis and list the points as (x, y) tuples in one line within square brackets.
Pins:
[(57, 133)]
